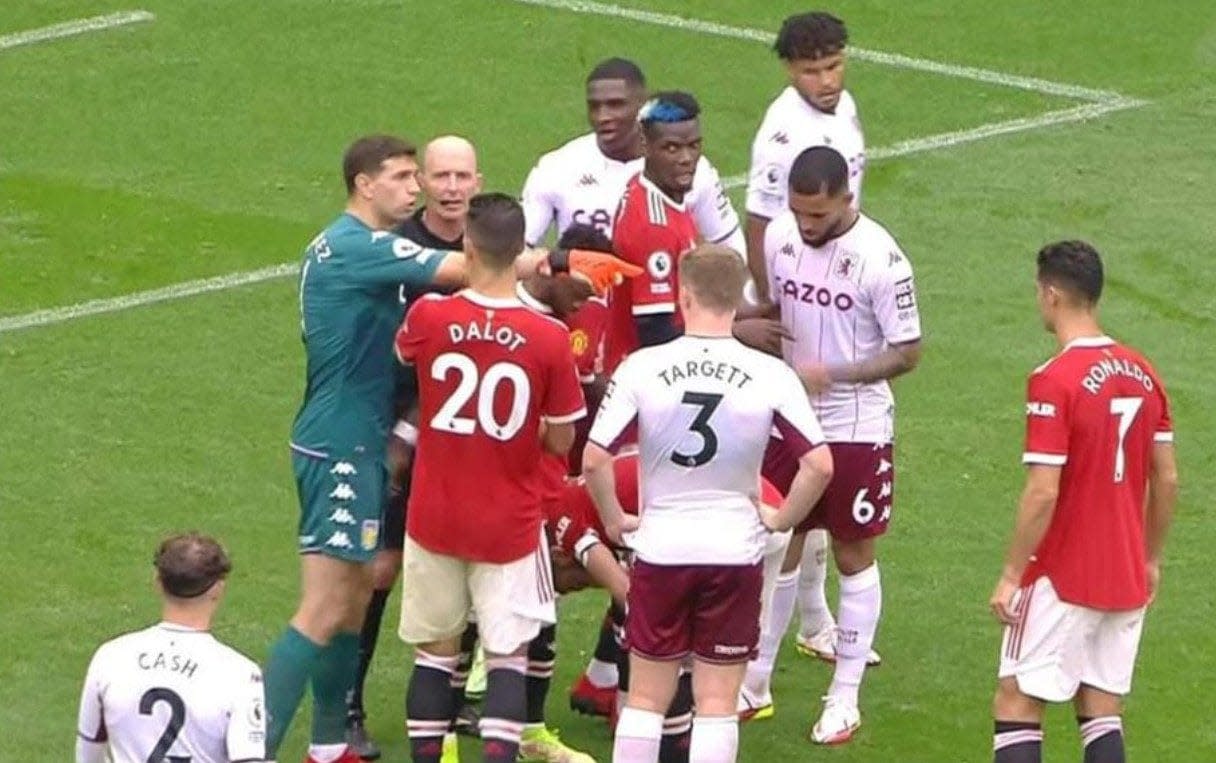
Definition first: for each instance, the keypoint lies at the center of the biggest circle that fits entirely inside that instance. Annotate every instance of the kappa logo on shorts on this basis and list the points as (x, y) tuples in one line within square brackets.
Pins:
[(342, 516), (343, 469), (884, 466), (370, 536), (343, 492), (339, 540)]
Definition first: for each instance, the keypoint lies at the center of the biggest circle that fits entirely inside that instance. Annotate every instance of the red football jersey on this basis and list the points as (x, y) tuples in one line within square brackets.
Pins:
[(652, 232), (1095, 410), (576, 524), (586, 326), (489, 370)]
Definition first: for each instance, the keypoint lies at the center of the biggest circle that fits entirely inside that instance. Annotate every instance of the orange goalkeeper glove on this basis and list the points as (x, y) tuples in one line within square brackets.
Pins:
[(602, 271)]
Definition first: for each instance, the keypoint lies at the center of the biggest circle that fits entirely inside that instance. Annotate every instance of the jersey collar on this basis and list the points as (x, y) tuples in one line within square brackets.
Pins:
[(491, 302), (1090, 341), (526, 297), (177, 628), (645, 183)]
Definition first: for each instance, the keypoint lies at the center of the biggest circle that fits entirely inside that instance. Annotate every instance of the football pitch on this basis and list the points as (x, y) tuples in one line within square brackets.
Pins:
[(160, 169)]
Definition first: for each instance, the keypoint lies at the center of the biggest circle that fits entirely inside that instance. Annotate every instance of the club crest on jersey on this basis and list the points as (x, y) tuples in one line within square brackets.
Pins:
[(579, 342), (846, 266), (369, 538)]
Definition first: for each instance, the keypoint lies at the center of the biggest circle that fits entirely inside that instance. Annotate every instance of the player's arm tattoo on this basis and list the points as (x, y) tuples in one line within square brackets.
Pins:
[(894, 361)]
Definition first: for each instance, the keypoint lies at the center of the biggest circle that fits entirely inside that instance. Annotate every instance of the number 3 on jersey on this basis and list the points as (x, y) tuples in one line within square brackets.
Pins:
[(707, 403), (470, 382)]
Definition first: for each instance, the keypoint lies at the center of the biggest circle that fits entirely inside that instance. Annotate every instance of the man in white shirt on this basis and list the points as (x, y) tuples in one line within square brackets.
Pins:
[(703, 405), (583, 180), (172, 691), (845, 290), (814, 110)]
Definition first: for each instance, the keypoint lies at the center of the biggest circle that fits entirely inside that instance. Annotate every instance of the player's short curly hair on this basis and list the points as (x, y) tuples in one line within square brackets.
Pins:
[(189, 564), (810, 35), (1075, 267), (583, 236)]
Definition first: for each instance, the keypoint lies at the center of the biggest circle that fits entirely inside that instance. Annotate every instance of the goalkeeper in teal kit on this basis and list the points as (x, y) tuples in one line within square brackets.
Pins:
[(351, 280)]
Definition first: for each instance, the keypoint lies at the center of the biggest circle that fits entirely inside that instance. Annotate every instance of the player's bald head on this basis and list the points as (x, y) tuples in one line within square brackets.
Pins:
[(449, 149)]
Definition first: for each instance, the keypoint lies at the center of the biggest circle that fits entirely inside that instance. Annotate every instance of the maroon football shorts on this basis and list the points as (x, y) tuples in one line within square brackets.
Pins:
[(712, 611), (857, 502)]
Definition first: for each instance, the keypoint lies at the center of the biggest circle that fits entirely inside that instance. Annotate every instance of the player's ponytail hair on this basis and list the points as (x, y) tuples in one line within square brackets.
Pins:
[(715, 275), (189, 564)]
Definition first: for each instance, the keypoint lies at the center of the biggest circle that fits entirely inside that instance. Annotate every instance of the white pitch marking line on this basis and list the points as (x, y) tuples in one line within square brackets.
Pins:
[(72, 28), (959, 137), (1102, 102), (1033, 84), (139, 298)]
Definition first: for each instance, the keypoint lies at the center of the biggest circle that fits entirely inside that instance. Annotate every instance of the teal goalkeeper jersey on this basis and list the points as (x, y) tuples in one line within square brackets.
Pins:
[(351, 282)]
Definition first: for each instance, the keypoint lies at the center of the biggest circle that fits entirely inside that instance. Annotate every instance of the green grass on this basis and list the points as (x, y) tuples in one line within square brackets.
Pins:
[(208, 142)]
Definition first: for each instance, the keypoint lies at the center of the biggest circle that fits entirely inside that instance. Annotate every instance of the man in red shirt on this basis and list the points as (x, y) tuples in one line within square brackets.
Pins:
[(492, 373), (653, 228), (1085, 557)]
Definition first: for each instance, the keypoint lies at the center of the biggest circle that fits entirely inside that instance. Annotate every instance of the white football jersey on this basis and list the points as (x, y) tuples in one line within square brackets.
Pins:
[(844, 302), (704, 407), (791, 126), (576, 183), (169, 692)]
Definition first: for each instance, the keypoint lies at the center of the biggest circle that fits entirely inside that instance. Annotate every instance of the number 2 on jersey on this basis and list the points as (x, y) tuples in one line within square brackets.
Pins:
[(1126, 409), (700, 424), (177, 719), (486, 388)]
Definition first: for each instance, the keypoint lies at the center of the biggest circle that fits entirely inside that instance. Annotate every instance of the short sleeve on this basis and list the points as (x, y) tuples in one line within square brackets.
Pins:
[(793, 417), (246, 733), (1164, 431), (767, 178), (385, 258), (587, 327), (893, 296), (571, 520), (618, 408), (412, 334), (90, 722), (715, 216), (538, 205), (1046, 421), (563, 402)]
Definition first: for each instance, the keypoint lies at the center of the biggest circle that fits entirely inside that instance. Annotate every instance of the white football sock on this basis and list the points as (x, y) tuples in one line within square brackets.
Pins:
[(601, 674), (813, 613), (860, 608), (715, 739), (639, 734), (760, 670)]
